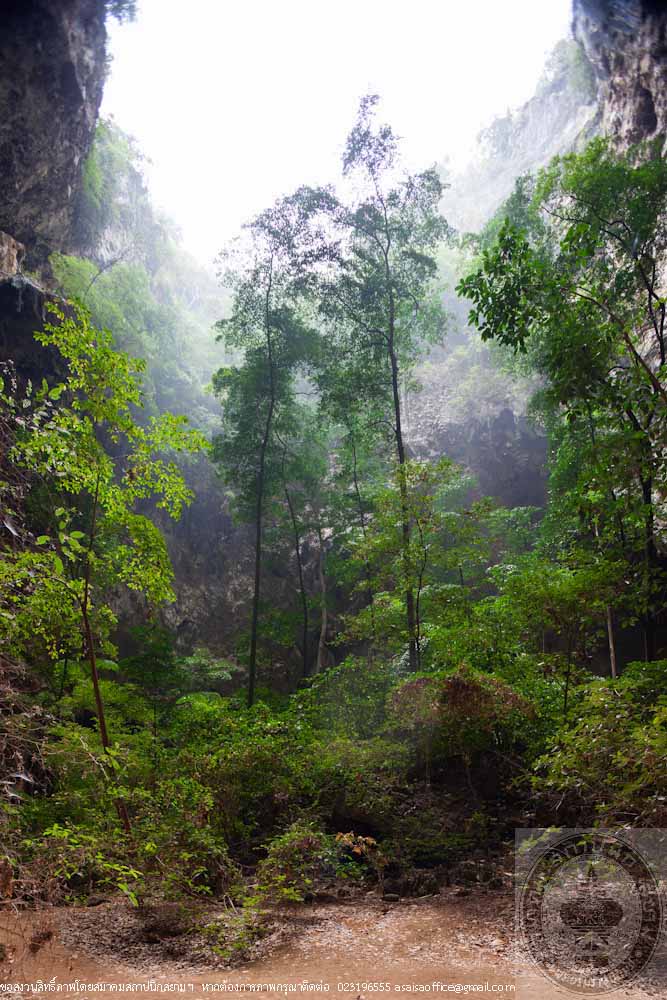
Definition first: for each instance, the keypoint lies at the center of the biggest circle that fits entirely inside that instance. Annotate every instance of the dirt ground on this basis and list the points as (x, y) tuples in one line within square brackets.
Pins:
[(450, 943)]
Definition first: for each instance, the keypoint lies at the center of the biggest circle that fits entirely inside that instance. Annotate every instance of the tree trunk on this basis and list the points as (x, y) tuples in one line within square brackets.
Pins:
[(121, 808), (254, 618), (411, 613), (650, 566), (259, 508), (321, 646), (362, 523), (612, 643), (299, 563)]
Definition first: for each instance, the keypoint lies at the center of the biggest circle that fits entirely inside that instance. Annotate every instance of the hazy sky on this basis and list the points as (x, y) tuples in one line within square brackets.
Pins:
[(236, 102)]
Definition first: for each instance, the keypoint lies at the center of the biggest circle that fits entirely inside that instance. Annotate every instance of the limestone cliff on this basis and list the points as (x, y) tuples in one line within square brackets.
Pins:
[(626, 42), (561, 115), (466, 408), (53, 65), (476, 415)]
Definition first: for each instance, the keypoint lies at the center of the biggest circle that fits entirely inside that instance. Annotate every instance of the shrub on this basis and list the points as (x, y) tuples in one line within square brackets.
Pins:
[(298, 862), (612, 763), (68, 861)]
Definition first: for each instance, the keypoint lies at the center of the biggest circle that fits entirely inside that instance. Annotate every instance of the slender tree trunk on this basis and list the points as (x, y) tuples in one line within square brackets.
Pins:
[(610, 627), (411, 613), (259, 507), (304, 598), (121, 808), (362, 523), (608, 612), (254, 617), (420, 585), (299, 563), (92, 661), (321, 646), (410, 609), (568, 673), (612, 642), (650, 565), (406, 407)]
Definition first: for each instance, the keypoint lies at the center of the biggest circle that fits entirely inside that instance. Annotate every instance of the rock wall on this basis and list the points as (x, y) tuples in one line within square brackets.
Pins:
[(466, 408), (561, 115), (23, 309), (53, 62), (626, 42), (504, 451)]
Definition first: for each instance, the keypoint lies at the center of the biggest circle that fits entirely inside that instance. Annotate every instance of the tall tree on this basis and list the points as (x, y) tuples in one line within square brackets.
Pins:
[(585, 300), (258, 394), (365, 268), (304, 469), (94, 531), (376, 294)]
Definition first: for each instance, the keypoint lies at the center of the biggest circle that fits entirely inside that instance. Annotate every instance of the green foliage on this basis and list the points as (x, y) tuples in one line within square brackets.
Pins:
[(298, 862), (568, 61), (63, 444), (612, 762), (123, 299), (392, 567), (77, 861), (246, 392), (580, 293), (349, 698), (567, 600), (461, 713), (164, 677), (233, 935), (112, 185), (179, 843), (139, 283), (468, 635)]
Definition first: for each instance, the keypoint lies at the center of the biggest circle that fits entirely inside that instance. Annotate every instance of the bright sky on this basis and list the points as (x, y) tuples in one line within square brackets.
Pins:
[(237, 102)]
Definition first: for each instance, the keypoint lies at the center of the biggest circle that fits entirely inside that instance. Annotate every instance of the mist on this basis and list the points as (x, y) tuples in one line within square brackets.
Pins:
[(331, 563), (237, 104)]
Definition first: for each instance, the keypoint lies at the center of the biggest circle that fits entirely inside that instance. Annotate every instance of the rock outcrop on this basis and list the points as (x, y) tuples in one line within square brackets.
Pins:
[(53, 58), (24, 307), (626, 42), (11, 256), (472, 413)]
